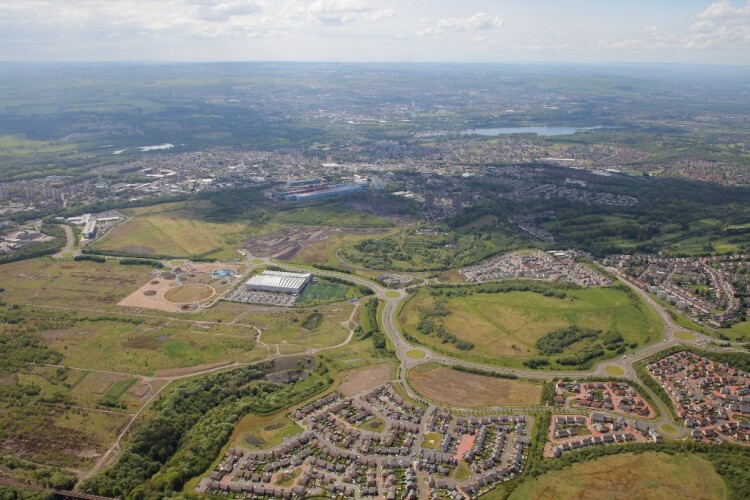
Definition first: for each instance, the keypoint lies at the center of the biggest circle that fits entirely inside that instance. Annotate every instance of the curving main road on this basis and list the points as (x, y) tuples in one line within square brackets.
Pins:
[(392, 299)]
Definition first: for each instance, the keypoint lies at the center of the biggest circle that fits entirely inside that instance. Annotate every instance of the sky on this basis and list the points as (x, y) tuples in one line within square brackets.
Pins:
[(500, 31)]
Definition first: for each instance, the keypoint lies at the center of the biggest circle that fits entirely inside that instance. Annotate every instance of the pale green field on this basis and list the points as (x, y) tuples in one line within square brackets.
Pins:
[(505, 326), (174, 231), (69, 284), (656, 476)]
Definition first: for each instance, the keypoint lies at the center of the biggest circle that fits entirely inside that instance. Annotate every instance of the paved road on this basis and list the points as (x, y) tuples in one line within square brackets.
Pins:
[(392, 299), (70, 243)]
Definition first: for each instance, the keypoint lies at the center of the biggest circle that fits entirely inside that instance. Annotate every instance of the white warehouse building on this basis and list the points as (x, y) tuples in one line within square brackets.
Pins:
[(279, 281)]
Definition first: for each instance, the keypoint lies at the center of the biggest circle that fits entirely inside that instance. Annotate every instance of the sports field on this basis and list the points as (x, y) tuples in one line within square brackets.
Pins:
[(465, 390), (504, 327), (648, 475)]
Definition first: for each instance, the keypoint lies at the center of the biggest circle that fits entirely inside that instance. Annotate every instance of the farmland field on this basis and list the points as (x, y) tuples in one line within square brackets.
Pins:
[(505, 327), (173, 230), (465, 390), (647, 475)]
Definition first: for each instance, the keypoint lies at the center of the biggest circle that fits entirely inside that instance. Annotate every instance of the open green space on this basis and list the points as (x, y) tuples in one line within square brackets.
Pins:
[(257, 433), (645, 475), (71, 284), (432, 440), (614, 370), (519, 327), (685, 336), (175, 229), (669, 429), (415, 354), (322, 291), (428, 248), (287, 326)]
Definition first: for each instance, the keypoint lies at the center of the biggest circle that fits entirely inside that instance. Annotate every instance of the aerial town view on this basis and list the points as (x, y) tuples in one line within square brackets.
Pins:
[(348, 249)]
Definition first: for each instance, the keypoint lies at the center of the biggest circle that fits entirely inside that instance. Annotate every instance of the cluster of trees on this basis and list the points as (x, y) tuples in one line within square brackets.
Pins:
[(556, 290), (431, 324), (92, 258), (44, 476), (146, 256), (373, 330), (583, 358), (188, 428), (141, 262), (484, 373), (18, 347), (557, 341)]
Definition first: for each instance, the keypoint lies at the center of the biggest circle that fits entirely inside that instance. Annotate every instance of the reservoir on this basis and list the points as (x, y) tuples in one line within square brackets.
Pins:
[(493, 132)]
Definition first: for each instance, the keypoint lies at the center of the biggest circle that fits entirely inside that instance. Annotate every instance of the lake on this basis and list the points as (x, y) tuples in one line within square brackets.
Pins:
[(492, 132)]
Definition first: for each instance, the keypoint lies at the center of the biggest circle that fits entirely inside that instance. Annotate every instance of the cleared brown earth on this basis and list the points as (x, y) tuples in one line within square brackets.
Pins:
[(465, 390), (365, 379), (189, 294)]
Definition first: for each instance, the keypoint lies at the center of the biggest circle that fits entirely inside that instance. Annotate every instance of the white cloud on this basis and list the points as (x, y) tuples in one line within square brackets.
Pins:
[(340, 12), (720, 26), (479, 21)]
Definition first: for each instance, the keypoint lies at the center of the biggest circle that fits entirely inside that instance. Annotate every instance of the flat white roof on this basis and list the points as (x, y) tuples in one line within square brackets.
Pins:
[(280, 280)]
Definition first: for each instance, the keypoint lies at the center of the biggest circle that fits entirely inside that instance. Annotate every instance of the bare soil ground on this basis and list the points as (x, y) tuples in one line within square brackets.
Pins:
[(365, 379), (465, 390), (188, 294), (287, 242), (139, 300)]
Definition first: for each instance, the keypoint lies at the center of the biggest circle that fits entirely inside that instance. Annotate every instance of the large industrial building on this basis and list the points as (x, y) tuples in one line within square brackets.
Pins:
[(279, 281), (315, 189)]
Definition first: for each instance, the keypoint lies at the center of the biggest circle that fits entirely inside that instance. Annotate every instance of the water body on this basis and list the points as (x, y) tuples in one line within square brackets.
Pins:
[(157, 148), (494, 132), (544, 131)]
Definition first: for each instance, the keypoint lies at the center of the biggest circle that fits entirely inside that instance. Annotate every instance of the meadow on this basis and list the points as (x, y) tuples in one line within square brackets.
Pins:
[(69, 284), (646, 475), (176, 230), (504, 328)]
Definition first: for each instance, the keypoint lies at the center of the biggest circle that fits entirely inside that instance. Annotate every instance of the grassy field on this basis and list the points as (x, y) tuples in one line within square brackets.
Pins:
[(415, 354), (174, 229), (323, 291), (324, 252), (70, 284), (465, 390), (55, 436), (614, 370), (505, 327), (685, 336), (258, 433), (284, 327), (150, 346), (648, 475)]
